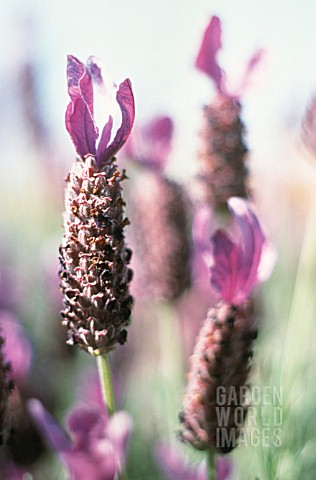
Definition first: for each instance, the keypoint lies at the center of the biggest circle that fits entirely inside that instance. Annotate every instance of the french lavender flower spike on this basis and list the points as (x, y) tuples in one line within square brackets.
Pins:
[(95, 273), (222, 155), (223, 353), (206, 60), (94, 258)]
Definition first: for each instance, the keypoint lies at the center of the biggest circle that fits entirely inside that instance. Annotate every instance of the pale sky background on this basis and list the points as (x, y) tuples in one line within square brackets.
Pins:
[(154, 43)]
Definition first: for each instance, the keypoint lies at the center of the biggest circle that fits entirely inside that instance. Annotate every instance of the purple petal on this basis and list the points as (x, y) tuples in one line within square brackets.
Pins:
[(17, 347), (50, 429), (206, 58), (106, 135), (95, 70), (239, 265), (173, 463), (223, 467), (201, 228), (125, 100), (96, 465), (151, 145), (157, 137), (119, 430), (227, 263), (251, 66), (82, 421), (79, 114), (253, 241)]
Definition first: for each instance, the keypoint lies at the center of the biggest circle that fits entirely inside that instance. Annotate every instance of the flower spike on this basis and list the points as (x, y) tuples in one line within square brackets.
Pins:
[(223, 352), (94, 258)]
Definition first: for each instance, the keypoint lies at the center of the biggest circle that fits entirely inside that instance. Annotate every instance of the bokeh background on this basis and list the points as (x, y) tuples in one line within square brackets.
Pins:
[(154, 44)]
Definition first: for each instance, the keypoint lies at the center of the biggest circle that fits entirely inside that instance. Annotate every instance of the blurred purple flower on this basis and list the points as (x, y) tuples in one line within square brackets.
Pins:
[(11, 471), (206, 60), (151, 145), (80, 121), (175, 465), (239, 265), (17, 347), (98, 446)]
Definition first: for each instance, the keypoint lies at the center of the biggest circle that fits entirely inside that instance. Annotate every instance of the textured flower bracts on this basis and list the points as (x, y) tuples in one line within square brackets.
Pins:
[(222, 153), (222, 356), (159, 210), (94, 258)]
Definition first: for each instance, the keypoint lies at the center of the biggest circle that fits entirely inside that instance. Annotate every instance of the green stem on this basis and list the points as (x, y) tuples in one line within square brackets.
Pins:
[(104, 369), (211, 474), (105, 375)]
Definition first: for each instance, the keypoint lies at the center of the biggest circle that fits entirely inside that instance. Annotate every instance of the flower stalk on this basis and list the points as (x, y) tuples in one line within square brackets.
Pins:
[(211, 472), (105, 375)]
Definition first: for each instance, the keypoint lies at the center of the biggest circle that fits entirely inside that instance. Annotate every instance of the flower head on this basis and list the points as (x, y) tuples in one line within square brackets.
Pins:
[(239, 265), (223, 352), (97, 446), (94, 258), (80, 121)]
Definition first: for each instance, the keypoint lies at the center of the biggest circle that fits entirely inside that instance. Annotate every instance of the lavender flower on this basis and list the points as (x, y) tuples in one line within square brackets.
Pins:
[(223, 352), (222, 157), (17, 347), (98, 446), (159, 209), (94, 258)]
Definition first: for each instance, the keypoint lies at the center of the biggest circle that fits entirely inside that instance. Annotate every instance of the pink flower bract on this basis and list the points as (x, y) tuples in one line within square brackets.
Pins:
[(80, 116), (98, 446), (237, 265)]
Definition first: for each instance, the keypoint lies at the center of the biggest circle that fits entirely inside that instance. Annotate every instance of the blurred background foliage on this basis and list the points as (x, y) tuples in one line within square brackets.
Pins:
[(154, 44)]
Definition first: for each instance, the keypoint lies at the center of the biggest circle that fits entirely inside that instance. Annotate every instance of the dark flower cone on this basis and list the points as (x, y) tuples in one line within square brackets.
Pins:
[(6, 386), (160, 229), (221, 358), (222, 169), (94, 259)]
